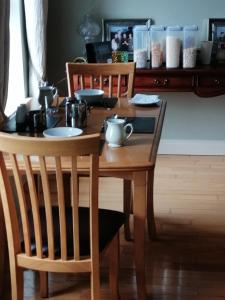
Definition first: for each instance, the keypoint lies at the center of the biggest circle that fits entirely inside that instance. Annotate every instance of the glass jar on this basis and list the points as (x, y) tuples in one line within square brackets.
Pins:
[(141, 45), (190, 46), (173, 46), (157, 38)]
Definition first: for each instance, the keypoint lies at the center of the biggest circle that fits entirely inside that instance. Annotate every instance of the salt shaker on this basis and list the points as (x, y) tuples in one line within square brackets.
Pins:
[(74, 115), (69, 101)]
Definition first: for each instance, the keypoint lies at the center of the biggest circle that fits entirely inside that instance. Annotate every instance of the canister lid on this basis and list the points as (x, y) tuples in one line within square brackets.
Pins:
[(140, 28), (174, 28), (157, 28), (191, 28)]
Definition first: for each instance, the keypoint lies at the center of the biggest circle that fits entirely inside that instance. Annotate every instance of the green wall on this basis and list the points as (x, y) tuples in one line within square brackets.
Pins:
[(188, 116)]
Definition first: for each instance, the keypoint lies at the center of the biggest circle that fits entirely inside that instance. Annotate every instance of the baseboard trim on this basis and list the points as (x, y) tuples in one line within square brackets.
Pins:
[(192, 147)]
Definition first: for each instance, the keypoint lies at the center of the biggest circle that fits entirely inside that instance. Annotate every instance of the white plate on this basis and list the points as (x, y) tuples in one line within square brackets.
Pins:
[(142, 99), (62, 132)]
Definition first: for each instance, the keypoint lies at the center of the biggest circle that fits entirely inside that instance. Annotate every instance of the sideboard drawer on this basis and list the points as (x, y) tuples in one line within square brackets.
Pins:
[(212, 81), (211, 85), (164, 83)]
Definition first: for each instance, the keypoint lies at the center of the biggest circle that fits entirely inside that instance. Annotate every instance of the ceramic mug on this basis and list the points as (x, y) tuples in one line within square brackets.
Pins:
[(116, 133)]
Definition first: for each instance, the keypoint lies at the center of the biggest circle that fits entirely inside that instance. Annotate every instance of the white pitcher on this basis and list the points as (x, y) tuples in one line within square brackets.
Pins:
[(116, 133)]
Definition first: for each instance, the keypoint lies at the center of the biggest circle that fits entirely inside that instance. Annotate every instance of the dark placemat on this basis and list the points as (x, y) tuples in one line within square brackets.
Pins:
[(140, 124), (102, 102), (10, 125)]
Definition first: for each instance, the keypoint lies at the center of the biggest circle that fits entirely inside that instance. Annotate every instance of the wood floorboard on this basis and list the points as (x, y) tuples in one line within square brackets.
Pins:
[(187, 261)]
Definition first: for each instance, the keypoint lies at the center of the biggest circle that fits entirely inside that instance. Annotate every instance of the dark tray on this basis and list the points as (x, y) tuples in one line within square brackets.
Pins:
[(142, 124), (102, 102), (10, 125)]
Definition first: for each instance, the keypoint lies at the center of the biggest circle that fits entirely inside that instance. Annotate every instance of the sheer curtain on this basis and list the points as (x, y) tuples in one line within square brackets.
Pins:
[(36, 22), (4, 53), (28, 21)]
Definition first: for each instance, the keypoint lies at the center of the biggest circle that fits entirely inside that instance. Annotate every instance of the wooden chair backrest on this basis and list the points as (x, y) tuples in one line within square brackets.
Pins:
[(27, 156), (116, 79)]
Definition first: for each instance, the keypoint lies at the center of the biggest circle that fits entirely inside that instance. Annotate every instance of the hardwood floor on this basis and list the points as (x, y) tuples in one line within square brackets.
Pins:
[(187, 261)]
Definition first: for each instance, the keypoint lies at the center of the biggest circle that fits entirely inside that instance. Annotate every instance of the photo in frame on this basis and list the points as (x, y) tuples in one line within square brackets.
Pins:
[(120, 33), (216, 33)]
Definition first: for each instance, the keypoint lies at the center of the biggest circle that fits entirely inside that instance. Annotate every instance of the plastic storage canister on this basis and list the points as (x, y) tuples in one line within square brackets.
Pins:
[(157, 45), (190, 46), (173, 46), (141, 45)]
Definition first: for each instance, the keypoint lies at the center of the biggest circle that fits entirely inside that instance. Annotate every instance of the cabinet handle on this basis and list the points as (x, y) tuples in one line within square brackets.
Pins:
[(217, 82), (161, 83), (156, 82), (165, 82)]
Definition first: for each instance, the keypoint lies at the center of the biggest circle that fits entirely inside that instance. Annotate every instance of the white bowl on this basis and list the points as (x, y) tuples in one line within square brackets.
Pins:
[(90, 95), (62, 132)]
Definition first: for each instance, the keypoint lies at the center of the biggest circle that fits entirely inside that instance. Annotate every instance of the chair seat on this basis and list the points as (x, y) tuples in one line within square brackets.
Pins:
[(109, 224)]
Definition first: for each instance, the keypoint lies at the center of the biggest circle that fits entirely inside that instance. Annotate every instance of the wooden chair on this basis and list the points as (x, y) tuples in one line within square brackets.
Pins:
[(55, 238), (116, 80)]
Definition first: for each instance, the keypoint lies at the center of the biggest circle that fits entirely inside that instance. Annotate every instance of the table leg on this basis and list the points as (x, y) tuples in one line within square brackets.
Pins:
[(150, 206), (127, 199), (139, 211), (3, 252)]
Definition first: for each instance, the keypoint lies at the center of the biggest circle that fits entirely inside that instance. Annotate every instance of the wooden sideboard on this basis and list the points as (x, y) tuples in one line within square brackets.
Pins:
[(204, 81)]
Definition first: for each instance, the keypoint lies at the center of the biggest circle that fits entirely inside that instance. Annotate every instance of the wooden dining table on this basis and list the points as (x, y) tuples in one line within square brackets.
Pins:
[(134, 161)]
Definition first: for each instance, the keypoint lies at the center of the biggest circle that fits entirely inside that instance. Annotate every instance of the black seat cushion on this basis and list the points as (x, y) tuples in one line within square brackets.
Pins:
[(109, 223)]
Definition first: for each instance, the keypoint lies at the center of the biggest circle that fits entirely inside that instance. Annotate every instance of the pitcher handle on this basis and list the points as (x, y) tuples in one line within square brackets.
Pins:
[(55, 91), (128, 125)]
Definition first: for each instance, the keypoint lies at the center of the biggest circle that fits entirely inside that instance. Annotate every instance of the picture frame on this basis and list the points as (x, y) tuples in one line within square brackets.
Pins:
[(120, 33), (216, 33)]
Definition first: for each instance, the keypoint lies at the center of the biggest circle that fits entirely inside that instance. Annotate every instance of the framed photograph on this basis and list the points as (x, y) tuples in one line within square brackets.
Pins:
[(216, 33), (120, 33)]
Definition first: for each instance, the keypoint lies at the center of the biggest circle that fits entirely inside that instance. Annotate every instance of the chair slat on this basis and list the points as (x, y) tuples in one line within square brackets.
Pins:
[(94, 196), (48, 207), (110, 86), (119, 85), (10, 214), (92, 81), (101, 82), (75, 207), (22, 204), (82, 84), (61, 204), (34, 205)]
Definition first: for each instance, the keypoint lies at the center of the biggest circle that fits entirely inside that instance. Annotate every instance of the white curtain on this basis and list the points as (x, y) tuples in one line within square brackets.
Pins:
[(36, 23), (4, 53)]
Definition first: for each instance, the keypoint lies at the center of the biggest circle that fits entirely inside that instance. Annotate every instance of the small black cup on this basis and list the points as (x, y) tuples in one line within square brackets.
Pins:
[(35, 120)]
